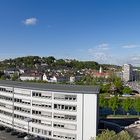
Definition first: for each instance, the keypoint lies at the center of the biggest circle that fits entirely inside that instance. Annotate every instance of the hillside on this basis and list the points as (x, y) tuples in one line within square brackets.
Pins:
[(33, 62)]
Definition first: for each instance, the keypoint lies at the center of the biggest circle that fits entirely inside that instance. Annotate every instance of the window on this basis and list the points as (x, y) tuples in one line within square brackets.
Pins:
[(65, 126), (65, 97), (65, 107), (66, 136), (42, 94), (41, 131), (64, 117)]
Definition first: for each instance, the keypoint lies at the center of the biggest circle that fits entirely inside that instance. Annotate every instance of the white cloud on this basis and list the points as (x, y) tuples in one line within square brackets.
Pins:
[(130, 46), (132, 59), (101, 53), (30, 21), (103, 46)]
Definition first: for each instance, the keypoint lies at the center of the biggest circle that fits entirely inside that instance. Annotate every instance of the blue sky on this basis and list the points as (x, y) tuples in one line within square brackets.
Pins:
[(106, 31)]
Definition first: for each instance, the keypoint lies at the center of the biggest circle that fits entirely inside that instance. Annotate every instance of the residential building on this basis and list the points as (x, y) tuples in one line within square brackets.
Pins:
[(55, 79), (127, 72), (11, 71), (57, 111), (31, 76)]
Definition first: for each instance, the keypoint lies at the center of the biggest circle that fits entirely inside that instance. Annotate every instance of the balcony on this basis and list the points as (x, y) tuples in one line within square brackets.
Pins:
[(22, 105), (6, 101), (7, 94), (22, 96), (22, 113)]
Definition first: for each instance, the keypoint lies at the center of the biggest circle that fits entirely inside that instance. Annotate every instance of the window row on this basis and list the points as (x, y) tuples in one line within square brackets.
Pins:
[(5, 113), (5, 98), (42, 95), (45, 105), (6, 106), (22, 94), (65, 97), (22, 101), (25, 92), (64, 136), (42, 113), (19, 117), (64, 126), (64, 117), (41, 131), (65, 107), (25, 110), (41, 122), (5, 90)]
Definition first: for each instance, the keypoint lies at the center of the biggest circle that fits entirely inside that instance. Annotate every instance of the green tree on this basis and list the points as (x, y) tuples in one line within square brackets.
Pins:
[(107, 135), (3, 77), (15, 76), (124, 135), (1, 73), (103, 102), (114, 103), (105, 88), (127, 104), (60, 62), (119, 85), (49, 60), (137, 105), (111, 135), (127, 90)]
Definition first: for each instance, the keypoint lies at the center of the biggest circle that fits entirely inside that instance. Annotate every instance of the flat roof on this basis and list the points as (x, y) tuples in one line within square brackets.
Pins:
[(85, 89)]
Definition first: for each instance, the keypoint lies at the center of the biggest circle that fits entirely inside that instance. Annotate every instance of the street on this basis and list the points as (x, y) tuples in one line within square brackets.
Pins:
[(7, 136)]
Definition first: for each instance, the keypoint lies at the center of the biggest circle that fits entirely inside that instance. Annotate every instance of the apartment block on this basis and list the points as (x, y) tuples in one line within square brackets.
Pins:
[(56, 111), (127, 72)]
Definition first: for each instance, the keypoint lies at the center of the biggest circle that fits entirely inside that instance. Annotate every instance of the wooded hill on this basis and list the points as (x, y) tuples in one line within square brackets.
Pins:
[(50, 61)]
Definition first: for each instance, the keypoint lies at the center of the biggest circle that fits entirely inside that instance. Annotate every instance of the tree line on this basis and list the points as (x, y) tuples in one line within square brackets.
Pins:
[(30, 61), (114, 103), (51, 61)]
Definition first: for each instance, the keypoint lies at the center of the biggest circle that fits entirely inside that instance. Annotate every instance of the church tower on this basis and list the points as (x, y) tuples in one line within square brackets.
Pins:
[(100, 70)]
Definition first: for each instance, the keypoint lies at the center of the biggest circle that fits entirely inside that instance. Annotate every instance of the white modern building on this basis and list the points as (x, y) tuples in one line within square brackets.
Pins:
[(127, 72), (25, 77), (58, 112)]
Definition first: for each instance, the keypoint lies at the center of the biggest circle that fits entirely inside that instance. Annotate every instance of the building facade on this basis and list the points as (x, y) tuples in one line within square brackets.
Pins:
[(58, 112), (127, 72)]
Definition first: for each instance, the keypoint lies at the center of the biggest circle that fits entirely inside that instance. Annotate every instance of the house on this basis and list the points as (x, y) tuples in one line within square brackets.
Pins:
[(55, 78), (31, 76), (22, 70), (11, 71)]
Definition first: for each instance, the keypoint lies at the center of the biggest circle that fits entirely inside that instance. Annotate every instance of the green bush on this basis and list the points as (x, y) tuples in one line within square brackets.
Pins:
[(111, 135)]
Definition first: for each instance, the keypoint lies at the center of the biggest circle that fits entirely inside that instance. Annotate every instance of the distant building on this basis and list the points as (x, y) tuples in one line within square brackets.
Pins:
[(127, 72), (101, 73), (11, 71), (31, 76), (22, 70), (55, 79), (72, 79)]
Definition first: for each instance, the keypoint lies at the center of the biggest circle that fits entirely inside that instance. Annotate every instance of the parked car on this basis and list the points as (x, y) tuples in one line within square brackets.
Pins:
[(8, 130), (29, 137), (2, 127), (22, 135), (14, 132)]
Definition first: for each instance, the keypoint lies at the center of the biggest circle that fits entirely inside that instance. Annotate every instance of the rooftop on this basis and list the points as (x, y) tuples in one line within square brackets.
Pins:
[(52, 87)]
